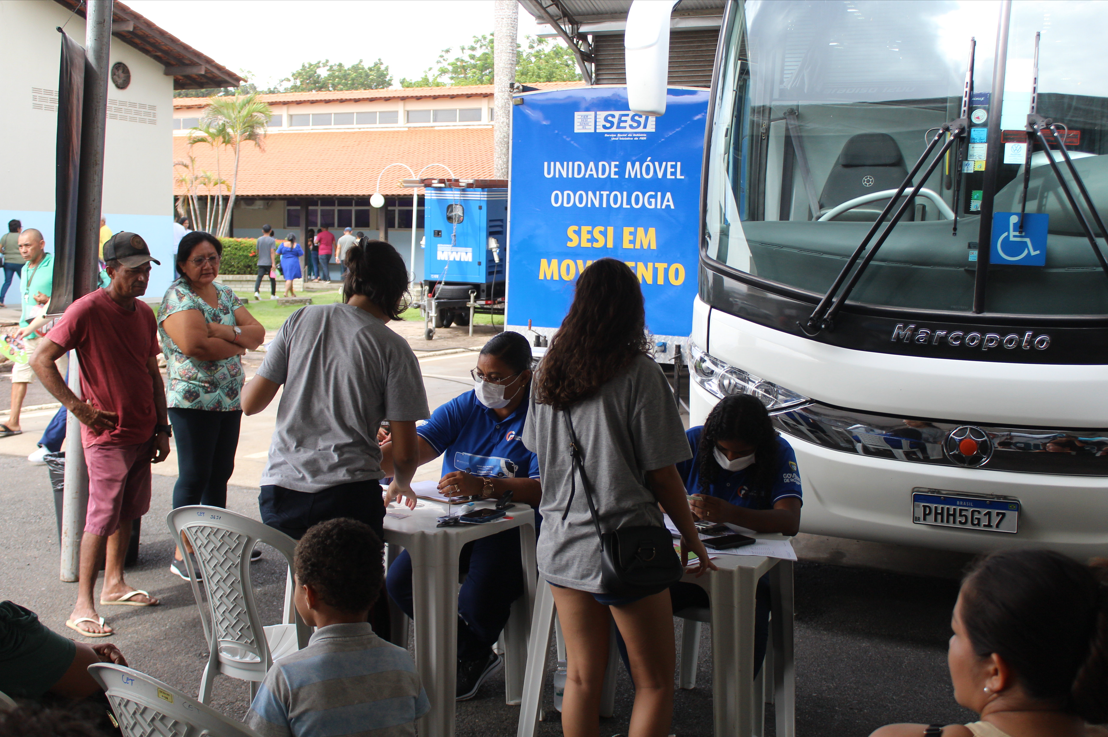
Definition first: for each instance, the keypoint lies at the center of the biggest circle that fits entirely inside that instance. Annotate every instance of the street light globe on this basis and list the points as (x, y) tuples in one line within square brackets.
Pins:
[(377, 200)]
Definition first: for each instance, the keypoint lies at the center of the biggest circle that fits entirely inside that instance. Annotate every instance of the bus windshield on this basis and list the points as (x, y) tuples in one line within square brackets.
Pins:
[(822, 108)]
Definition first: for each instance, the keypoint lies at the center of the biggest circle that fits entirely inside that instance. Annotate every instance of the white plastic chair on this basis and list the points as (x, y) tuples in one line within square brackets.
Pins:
[(146, 707), (239, 645)]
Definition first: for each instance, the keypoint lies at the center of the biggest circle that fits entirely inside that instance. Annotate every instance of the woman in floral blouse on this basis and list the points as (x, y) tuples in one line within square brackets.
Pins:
[(205, 329)]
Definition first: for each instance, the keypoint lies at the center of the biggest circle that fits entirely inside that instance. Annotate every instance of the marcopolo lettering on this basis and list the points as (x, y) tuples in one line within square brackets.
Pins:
[(970, 339)]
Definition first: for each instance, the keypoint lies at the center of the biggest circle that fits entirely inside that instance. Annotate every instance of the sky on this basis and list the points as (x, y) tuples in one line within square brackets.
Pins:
[(271, 39)]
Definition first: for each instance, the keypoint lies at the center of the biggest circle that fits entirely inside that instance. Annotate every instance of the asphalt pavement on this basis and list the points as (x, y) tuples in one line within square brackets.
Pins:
[(870, 636)]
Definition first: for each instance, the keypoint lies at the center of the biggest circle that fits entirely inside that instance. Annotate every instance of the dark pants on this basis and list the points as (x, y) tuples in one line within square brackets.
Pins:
[(293, 512), (325, 266), (10, 272), (206, 445), (494, 579), (313, 264), (263, 271), (690, 596), (54, 436)]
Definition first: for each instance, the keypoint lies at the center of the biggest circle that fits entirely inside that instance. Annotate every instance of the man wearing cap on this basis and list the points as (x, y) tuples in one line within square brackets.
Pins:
[(125, 426), (344, 245), (36, 285)]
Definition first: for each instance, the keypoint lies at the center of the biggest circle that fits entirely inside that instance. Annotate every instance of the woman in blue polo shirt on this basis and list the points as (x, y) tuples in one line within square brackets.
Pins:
[(742, 473), (478, 434)]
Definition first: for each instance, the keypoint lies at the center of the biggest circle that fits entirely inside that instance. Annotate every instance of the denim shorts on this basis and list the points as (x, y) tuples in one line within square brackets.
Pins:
[(608, 599)]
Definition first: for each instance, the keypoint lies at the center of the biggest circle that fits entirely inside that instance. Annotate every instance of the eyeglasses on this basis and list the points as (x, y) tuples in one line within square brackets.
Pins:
[(200, 260), (506, 381)]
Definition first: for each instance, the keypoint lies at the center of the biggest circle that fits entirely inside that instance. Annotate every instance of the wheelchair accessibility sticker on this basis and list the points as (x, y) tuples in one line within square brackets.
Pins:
[(1011, 245)]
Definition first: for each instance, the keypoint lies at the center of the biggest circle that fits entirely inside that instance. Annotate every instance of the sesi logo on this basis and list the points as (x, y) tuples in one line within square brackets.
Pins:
[(510, 436), (624, 121), (612, 121)]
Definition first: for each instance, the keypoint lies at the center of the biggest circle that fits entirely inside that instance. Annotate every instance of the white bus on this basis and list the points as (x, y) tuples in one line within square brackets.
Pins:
[(939, 389)]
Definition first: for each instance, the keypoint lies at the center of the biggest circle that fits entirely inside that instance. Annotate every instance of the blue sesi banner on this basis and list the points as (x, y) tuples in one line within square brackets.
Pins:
[(591, 180)]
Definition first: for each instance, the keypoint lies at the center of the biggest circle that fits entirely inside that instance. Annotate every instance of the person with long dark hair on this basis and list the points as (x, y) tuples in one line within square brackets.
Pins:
[(478, 434), (599, 371), (205, 329), (742, 473), (344, 371), (1029, 653)]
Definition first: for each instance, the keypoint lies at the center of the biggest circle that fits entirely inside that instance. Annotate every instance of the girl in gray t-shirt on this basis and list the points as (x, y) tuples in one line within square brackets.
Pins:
[(599, 371)]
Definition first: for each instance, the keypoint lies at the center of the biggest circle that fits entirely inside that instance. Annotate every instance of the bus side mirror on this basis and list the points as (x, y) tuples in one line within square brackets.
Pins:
[(646, 54)]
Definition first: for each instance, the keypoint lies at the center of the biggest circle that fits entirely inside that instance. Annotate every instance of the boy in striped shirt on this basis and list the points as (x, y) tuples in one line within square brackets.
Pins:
[(347, 681)]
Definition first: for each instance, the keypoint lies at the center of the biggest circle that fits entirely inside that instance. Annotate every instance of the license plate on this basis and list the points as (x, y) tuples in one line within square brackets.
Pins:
[(965, 512)]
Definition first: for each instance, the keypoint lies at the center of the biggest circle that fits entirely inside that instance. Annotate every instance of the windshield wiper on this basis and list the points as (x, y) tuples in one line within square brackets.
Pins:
[(1035, 126), (823, 316)]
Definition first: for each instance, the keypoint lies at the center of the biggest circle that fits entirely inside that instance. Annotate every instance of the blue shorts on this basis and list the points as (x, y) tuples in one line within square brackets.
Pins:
[(608, 599)]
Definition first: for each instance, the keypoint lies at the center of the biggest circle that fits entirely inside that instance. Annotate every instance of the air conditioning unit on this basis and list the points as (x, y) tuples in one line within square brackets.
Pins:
[(249, 203)]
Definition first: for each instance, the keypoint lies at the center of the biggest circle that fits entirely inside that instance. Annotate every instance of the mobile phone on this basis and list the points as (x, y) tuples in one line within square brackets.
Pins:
[(711, 528), (726, 542), (478, 516)]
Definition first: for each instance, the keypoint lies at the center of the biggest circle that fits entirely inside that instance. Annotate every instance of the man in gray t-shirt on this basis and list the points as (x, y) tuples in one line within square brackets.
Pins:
[(343, 246), (267, 244), (362, 370)]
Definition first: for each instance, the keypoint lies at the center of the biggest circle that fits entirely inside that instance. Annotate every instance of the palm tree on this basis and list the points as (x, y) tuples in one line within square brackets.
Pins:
[(212, 133), (241, 118)]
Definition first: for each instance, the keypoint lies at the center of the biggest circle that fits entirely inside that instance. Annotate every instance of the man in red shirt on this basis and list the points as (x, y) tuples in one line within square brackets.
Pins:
[(125, 426), (326, 242)]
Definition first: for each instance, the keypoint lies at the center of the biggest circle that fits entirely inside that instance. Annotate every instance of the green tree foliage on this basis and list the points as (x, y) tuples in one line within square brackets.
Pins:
[(238, 120), (541, 61), (546, 61), (323, 76)]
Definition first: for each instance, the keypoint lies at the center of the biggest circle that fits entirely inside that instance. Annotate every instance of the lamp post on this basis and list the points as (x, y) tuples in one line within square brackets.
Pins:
[(378, 200)]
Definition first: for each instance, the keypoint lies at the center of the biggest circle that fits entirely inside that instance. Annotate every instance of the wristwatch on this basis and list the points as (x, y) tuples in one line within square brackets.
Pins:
[(486, 487), (167, 429), (238, 332)]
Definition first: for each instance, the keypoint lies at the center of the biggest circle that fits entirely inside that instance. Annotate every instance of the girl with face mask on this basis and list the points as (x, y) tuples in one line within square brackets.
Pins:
[(479, 436), (742, 472)]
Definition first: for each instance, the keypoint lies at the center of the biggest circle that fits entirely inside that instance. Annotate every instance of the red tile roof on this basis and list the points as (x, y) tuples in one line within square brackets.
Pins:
[(408, 93), (345, 163)]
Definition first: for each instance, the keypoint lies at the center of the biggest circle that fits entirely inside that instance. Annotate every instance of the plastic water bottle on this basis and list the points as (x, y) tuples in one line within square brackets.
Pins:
[(559, 684)]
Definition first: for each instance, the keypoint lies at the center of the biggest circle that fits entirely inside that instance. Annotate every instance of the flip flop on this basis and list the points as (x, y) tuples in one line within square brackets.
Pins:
[(125, 600), (72, 624), (7, 432)]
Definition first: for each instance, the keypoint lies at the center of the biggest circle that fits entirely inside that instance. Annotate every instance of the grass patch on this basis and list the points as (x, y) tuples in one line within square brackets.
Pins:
[(272, 315)]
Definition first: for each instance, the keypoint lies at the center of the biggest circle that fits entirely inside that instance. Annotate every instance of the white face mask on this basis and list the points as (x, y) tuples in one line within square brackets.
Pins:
[(492, 395), (736, 465)]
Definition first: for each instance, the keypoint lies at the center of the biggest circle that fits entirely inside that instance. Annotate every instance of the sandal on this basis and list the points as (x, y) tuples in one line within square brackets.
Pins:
[(125, 600), (73, 625)]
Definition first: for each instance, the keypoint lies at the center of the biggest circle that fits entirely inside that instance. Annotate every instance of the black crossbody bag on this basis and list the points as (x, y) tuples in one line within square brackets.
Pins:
[(634, 561)]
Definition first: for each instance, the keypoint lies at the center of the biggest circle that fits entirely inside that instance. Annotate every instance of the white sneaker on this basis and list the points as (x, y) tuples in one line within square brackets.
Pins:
[(39, 456), (257, 296)]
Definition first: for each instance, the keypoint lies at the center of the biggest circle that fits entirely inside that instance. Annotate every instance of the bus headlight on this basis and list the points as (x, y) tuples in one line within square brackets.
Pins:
[(721, 379)]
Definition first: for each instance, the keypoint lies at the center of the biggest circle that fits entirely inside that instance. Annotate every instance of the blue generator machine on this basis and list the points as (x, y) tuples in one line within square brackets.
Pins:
[(465, 250)]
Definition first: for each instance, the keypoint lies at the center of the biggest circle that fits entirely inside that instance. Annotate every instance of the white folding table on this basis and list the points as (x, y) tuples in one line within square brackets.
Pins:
[(435, 553)]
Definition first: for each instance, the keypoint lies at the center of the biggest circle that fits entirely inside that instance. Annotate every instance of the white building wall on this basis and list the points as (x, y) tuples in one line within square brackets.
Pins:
[(138, 160)]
